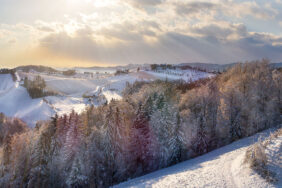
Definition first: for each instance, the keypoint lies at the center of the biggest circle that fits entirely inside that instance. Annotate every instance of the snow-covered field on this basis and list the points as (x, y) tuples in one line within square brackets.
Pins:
[(223, 167), (15, 101)]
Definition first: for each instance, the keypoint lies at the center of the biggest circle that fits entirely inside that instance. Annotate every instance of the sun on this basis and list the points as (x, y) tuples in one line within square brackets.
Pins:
[(104, 3)]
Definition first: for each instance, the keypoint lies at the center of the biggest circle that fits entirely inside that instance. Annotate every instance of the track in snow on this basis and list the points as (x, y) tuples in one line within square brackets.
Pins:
[(220, 168)]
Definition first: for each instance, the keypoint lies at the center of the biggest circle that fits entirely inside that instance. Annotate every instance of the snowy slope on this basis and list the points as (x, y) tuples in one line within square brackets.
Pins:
[(6, 83), (16, 102), (223, 167), (73, 86), (186, 75)]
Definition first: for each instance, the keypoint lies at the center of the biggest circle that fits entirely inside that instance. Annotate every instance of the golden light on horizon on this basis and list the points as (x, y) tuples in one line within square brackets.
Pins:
[(137, 31)]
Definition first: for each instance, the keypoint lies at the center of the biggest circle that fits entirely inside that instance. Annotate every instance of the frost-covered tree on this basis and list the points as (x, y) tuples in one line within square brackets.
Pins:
[(144, 148), (164, 124)]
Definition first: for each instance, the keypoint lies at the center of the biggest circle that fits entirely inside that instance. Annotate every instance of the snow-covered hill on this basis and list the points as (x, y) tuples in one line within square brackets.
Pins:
[(223, 167), (16, 102)]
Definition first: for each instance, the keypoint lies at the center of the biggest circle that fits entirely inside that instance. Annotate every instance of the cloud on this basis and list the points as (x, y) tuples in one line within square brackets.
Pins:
[(128, 31), (264, 12), (143, 3), (193, 8), (43, 26), (213, 43), (220, 30), (228, 8), (114, 31), (12, 41)]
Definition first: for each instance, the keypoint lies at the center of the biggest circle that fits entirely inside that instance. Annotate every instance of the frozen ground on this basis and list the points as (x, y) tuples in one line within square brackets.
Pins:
[(223, 167)]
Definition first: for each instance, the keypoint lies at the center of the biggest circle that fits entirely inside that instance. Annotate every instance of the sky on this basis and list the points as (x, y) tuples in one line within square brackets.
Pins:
[(117, 32)]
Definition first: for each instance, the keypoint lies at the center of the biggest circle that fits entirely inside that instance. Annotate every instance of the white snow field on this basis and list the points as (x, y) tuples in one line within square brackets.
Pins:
[(223, 167), (16, 102)]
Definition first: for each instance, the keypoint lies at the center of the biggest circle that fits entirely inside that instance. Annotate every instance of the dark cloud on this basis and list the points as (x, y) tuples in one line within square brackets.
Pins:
[(144, 4), (221, 31), (131, 32), (227, 8), (194, 7)]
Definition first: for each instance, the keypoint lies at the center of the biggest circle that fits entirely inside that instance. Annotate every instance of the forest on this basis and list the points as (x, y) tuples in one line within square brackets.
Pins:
[(156, 125)]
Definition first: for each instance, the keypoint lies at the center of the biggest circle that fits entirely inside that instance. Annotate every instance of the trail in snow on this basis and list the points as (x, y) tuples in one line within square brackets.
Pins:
[(220, 168)]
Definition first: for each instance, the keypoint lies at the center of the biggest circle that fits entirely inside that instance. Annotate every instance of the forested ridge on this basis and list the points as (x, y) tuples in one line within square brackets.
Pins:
[(155, 125)]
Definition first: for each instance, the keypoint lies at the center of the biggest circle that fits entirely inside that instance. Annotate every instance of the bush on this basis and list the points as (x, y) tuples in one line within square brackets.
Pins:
[(256, 157), (9, 71), (120, 72), (36, 87), (69, 73)]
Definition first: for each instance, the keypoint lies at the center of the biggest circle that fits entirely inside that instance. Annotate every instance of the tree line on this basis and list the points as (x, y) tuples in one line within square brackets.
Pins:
[(155, 125), (9, 71)]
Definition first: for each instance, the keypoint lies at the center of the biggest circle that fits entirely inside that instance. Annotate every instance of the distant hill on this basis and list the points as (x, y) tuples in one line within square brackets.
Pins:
[(37, 68), (276, 65), (210, 67), (119, 67)]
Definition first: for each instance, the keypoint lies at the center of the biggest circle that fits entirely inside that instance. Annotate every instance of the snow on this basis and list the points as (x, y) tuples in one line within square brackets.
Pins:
[(16, 102), (273, 153), (223, 167)]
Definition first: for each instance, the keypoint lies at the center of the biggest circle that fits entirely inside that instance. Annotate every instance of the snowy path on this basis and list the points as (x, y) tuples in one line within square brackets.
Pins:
[(220, 168)]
